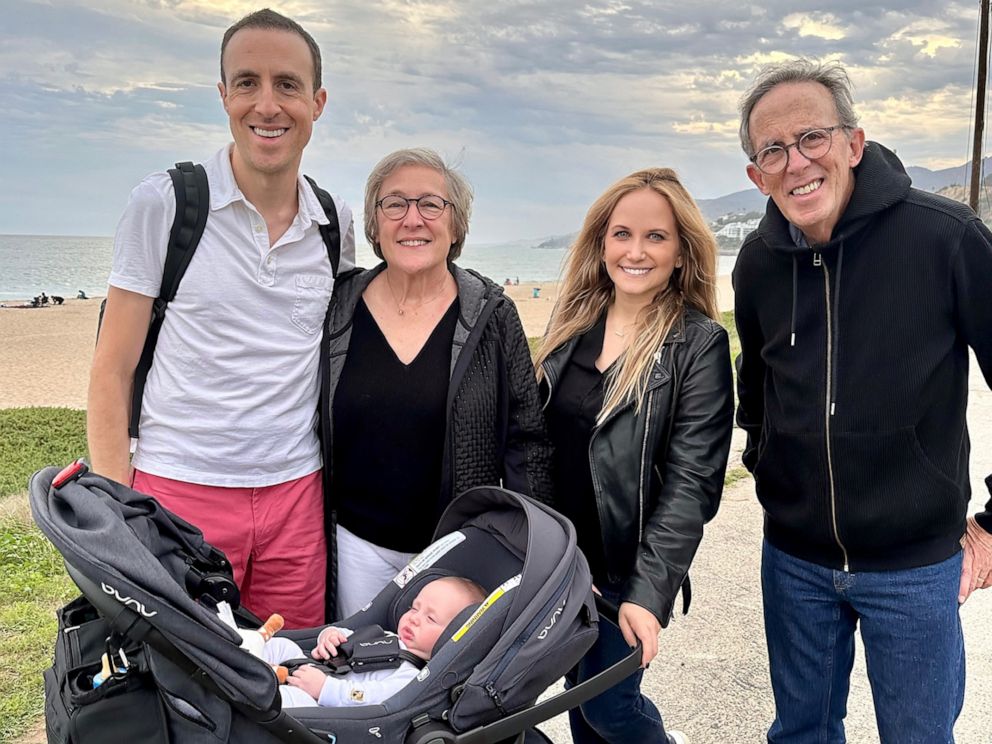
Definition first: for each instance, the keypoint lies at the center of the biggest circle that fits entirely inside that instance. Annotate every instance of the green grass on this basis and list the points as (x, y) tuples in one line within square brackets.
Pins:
[(31, 438), (33, 582), (727, 320), (735, 475)]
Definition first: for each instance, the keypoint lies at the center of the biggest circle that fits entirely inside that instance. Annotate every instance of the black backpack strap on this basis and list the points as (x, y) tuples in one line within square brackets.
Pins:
[(331, 232), (192, 207)]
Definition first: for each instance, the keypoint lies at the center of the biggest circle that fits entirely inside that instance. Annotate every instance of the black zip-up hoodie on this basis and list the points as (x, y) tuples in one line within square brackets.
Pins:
[(853, 373)]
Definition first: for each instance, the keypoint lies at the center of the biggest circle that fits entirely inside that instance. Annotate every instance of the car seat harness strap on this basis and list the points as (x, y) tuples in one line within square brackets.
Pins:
[(368, 649)]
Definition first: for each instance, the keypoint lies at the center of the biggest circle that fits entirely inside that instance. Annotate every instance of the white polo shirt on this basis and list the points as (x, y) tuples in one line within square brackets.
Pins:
[(231, 398)]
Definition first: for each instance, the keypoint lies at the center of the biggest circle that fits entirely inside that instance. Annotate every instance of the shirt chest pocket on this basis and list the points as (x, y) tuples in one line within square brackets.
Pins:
[(313, 292)]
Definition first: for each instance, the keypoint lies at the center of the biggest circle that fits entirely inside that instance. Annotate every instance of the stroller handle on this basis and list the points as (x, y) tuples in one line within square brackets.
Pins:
[(513, 725)]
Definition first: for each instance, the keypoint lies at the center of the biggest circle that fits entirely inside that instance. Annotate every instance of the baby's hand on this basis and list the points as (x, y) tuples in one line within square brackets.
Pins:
[(309, 679), (327, 643)]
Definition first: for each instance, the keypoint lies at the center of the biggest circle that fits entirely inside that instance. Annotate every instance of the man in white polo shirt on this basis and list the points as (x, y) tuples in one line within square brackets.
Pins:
[(229, 412)]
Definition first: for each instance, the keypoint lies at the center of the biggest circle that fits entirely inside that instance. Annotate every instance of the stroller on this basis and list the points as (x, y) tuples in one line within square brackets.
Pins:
[(151, 584)]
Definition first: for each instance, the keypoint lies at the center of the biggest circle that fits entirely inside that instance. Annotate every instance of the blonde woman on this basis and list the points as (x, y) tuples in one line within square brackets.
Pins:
[(635, 372)]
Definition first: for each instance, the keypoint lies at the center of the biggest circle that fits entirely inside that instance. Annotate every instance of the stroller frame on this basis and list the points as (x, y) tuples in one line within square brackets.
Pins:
[(130, 623), (85, 523)]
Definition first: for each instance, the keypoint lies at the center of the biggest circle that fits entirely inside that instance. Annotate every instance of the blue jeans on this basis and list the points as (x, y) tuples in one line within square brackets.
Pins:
[(621, 715), (914, 648)]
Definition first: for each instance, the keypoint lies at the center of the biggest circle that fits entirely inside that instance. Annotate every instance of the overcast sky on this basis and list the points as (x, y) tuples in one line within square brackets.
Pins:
[(543, 103)]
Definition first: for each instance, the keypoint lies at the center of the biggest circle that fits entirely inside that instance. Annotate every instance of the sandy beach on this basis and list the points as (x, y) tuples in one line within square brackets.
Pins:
[(47, 351), (535, 311), (710, 679), (46, 354)]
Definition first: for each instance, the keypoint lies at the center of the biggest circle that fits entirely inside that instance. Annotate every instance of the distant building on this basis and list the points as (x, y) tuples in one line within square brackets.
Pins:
[(737, 230)]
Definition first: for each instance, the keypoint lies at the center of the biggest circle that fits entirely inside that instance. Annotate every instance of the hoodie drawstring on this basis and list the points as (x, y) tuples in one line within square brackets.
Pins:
[(795, 294), (836, 324)]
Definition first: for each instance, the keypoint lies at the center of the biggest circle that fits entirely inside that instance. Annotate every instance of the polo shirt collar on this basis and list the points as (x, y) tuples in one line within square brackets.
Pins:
[(224, 189)]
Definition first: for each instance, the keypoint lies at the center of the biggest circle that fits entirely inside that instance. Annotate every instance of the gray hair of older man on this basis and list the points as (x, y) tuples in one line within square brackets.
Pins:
[(459, 194), (831, 75)]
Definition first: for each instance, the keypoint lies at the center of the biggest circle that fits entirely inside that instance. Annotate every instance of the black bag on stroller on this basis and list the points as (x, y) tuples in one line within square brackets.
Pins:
[(178, 674)]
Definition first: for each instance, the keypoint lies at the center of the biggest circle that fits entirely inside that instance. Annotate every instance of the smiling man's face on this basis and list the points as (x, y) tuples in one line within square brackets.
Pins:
[(269, 97), (811, 194)]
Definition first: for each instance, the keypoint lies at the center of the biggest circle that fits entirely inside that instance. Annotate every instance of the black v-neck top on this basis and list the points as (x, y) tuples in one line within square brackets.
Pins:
[(389, 430), (571, 414)]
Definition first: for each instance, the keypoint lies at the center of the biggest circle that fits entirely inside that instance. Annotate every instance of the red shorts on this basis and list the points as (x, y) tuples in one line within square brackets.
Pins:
[(273, 536)]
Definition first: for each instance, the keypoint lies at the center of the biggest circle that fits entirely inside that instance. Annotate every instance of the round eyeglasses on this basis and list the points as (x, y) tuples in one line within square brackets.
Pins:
[(812, 145), (395, 206)]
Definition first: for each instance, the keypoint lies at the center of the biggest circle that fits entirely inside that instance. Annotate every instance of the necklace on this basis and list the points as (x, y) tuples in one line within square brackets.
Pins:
[(623, 330), (399, 306)]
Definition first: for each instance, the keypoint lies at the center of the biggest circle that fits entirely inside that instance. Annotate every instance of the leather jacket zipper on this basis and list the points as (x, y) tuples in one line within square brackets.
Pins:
[(828, 408), (644, 459)]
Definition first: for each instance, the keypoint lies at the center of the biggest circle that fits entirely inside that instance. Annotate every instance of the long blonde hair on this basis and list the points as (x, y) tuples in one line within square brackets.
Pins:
[(587, 290)]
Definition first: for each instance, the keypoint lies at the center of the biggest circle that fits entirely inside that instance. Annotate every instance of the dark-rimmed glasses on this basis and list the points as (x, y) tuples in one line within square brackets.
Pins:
[(812, 145), (395, 207)]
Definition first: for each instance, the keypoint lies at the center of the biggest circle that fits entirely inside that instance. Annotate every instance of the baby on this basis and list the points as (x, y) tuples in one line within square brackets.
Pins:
[(419, 628)]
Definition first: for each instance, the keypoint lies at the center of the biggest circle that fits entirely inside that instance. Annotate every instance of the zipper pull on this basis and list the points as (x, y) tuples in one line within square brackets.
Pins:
[(494, 694), (817, 259)]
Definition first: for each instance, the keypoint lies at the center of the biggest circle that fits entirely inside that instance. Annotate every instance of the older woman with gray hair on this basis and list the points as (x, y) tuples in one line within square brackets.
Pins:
[(428, 387)]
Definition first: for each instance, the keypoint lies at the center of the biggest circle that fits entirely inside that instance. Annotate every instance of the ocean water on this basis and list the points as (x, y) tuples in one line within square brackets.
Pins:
[(56, 265), (61, 265)]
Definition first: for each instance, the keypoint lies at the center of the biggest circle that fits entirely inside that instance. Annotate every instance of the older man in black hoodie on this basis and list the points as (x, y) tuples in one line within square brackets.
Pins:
[(857, 299)]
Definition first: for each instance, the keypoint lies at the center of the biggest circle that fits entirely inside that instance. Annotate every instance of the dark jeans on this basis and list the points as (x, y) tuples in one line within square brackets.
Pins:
[(914, 648), (621, 715)]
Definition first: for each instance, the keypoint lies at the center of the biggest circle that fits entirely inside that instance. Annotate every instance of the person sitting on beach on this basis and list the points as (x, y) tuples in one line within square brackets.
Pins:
[(429, 385), (436, 605)]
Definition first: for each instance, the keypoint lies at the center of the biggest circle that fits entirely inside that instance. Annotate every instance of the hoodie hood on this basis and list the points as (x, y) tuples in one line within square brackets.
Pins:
[(880, 181)]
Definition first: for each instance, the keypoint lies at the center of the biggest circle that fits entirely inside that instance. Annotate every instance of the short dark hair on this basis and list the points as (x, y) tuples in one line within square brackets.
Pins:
[(269, 19)]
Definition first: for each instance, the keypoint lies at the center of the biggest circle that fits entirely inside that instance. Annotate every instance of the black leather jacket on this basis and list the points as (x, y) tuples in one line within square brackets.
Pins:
[(658, 473), (495, 433)]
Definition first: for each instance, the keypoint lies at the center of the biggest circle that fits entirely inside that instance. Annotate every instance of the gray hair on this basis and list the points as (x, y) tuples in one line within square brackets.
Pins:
[(459, 194), (831, 75)]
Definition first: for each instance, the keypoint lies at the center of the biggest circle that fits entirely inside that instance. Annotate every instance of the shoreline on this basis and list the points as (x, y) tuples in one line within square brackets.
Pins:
[(48, 350), (536, 311)]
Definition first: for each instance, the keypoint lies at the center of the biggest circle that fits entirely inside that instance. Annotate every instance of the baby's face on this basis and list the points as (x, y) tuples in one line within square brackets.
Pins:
[(435, 606)]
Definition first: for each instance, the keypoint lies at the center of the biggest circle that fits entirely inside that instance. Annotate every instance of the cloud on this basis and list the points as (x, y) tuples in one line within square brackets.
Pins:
[(546, 102), (824, 25)]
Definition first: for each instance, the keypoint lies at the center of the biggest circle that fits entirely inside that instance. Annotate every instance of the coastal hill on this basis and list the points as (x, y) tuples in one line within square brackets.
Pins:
[(752, 200), (740, 202), (723, 210)]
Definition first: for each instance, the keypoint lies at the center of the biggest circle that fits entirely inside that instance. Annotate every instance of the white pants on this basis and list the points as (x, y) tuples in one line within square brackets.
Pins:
[(363, 570), (281, 649)]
